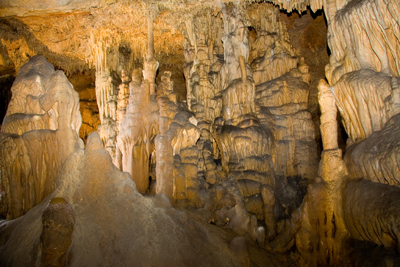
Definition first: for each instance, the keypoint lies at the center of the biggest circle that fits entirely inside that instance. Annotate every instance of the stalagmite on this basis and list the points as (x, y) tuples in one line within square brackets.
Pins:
[(161, 232), (44, 111), (137, 131), (140, 123), (328, 116), (165, 157), (241, 128), (322, 223), (210, 129), (123, 97)]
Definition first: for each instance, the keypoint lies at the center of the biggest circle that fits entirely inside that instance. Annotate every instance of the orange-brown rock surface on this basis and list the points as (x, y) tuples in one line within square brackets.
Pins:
[(217, 108), (43, 112), (149, 232)]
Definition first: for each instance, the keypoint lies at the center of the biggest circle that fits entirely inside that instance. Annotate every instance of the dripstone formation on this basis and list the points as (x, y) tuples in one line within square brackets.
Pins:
[(210, 149)]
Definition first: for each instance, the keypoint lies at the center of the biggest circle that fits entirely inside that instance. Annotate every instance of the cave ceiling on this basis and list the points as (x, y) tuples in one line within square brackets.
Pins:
[(65, 31)]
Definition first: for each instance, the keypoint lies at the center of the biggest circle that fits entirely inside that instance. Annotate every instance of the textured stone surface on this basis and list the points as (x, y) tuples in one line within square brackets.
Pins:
[(376, 158), (148, 231), (371, 212), (221, 121), (58, 224), (38, 133), (322, 236), (137, 131)]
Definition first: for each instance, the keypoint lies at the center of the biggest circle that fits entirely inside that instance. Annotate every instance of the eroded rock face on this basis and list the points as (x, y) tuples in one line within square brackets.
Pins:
[(362, 80), (323, 237), (239, 129), (253, 124), (366, 99), (43, 112)]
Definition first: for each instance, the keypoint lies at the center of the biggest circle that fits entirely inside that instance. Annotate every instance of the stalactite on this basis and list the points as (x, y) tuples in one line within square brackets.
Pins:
[(241, 148)]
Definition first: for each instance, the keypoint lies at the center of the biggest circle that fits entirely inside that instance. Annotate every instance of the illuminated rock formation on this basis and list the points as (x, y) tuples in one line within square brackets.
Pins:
[(361, 68), (322, 235), (137, 131), (161, 232), (376, 158), (43, 112), (271, 53), (166, 100), (140, 124), (123, 97), (282, 88), (216, 121), (239, 128), (106, 89)]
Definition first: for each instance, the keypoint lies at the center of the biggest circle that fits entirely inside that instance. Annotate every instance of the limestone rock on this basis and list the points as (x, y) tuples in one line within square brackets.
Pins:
[(44, 111), (239, 248), (137, 132), (123, 97), (351, 54), (282, 87), (102, 235), (360, 72), (271, 54), (283, 107), (328, 116), (322, 235), (108, 131), (232, 138), (371, 213), (58, 223), (241, 129), (365, 99), (376, 158)]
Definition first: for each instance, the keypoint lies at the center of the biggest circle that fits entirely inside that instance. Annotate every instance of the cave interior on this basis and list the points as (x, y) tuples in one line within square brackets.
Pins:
[(199, 133)]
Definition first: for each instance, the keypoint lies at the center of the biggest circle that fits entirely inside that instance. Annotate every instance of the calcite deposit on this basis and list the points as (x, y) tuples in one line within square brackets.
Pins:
[(38, 133), (214, 133), (139, 236)]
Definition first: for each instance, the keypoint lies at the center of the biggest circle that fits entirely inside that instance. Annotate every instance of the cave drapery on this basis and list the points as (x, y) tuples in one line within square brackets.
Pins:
[(208, 133)]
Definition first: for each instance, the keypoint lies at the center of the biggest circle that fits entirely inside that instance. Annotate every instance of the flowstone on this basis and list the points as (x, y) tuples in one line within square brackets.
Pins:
[(38, 133), (96, 192)]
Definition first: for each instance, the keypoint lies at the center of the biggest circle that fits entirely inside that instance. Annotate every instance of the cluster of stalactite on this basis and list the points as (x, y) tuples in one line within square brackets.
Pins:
[(244, 135), (245, 131), (250, 120)]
